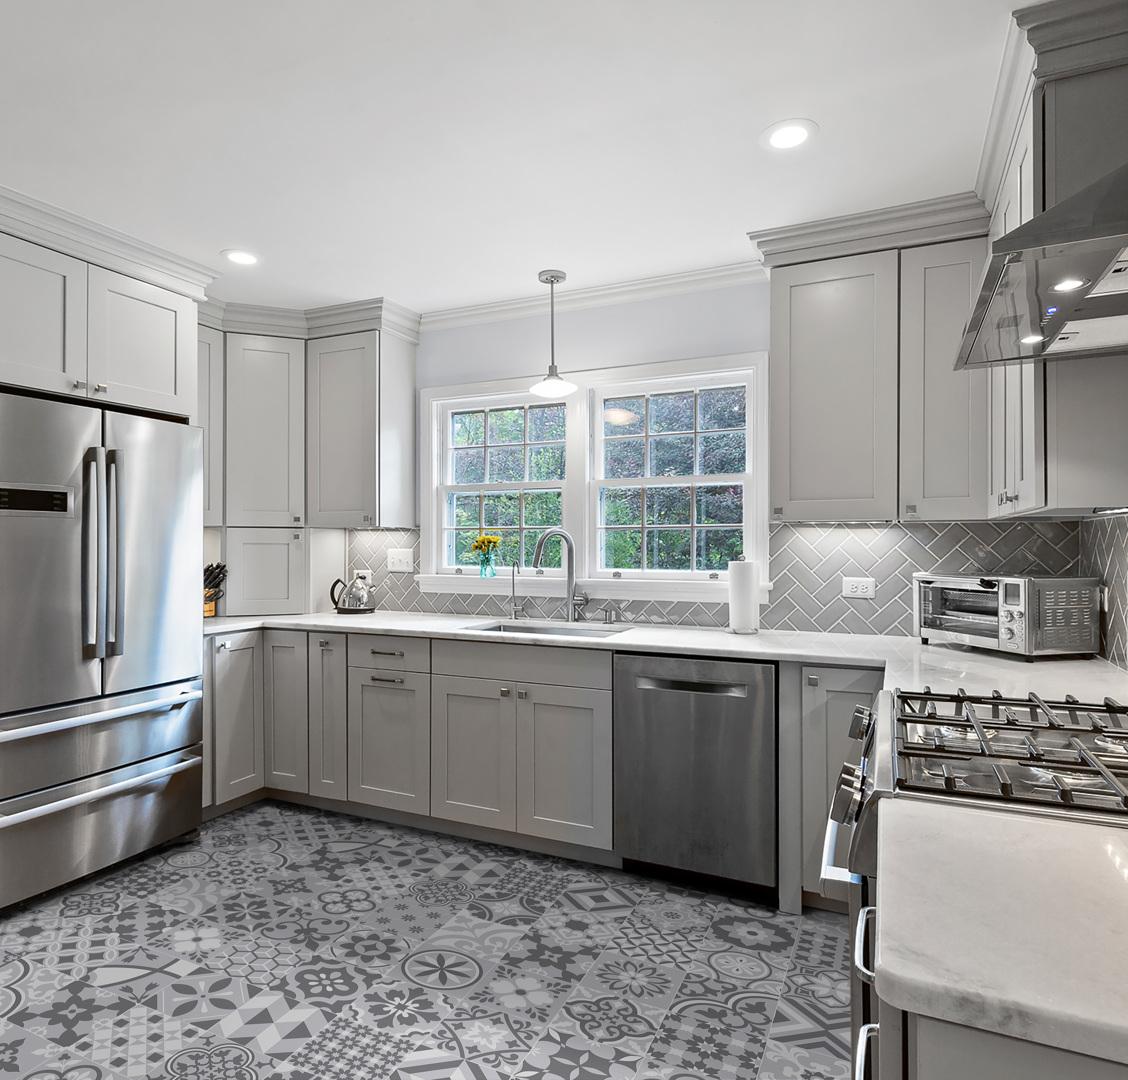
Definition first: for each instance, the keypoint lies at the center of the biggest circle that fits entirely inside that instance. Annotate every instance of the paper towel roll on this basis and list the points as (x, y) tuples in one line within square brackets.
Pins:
[(744, 597)]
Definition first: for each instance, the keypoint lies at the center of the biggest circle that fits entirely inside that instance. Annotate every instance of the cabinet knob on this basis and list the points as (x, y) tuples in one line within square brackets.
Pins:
[(100, 388), (522, 695), (223, 644), (324, 644), (812, 680), (505, 691), (79, 384)]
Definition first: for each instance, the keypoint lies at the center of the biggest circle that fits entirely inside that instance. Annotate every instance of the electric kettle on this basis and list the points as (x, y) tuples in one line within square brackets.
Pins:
[(357, 598)]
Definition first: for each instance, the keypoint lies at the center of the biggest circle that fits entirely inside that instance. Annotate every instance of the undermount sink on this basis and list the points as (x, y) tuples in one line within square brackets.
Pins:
[(562, 630)]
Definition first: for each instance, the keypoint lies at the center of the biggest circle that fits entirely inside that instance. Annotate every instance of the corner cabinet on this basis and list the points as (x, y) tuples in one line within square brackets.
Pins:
[(943, 413), (360, 438), (265, 431), (237, 714), (833, 375)]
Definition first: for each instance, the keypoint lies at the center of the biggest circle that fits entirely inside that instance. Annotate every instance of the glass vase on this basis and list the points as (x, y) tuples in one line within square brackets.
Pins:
[(487, 567)]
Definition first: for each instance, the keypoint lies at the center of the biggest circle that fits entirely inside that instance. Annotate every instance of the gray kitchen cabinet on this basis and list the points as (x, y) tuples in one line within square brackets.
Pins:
[(286, 709), (207, 749), (360, 432), (265, 431), (141, 344), (42, 318), (833, 377), (564, 766), (389, 739), (829, 697), (474, 751), (943, 416), (266, 571), (237, 714), (209, 416), (328, 716)]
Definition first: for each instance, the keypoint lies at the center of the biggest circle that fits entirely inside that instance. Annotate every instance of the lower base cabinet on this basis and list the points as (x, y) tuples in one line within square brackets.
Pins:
[(285, 709), (389, 739), (328, 716), (237, 714)]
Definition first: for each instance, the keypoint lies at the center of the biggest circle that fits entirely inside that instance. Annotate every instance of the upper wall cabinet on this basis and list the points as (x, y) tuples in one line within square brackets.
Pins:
[(209, 415), (361, 431), (42, 318), (265, 425), (943, 416), (141, 347), (833, 374)]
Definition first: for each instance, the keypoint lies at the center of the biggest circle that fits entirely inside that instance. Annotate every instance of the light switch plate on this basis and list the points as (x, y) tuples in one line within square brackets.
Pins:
[(399, 561), (859, 588)]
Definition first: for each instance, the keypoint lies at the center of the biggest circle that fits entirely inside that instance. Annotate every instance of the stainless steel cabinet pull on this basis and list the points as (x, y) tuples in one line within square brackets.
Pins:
[(386, 652), (378, 678), (324, 644), (115, 460), (100, 388), (223, 645), (522, 695), (505, 691), (685, 686), (866, 974), (861, 1055), (812, 680), (79, 384)]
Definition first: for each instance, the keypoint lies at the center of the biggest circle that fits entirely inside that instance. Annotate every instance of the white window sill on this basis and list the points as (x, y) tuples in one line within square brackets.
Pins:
[(711, 592)]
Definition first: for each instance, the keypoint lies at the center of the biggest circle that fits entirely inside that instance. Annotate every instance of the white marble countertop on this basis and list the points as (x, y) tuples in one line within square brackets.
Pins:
[(1005, 921)]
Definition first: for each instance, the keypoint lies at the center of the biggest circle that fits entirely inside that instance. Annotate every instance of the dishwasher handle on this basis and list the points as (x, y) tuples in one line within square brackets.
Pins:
[(692, 686)]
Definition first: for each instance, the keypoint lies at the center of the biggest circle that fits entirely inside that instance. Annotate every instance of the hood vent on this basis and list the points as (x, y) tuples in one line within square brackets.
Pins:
[(1056, 288)]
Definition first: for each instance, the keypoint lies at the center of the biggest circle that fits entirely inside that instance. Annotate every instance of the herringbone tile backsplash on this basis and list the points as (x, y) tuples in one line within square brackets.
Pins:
[(1104, 554), (807, 563)]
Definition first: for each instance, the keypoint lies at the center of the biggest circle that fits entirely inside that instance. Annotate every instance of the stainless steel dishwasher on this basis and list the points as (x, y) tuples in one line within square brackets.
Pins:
[(695, 765)]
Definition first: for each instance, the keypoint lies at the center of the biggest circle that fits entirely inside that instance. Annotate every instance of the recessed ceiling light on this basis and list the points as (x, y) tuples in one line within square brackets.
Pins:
[(1032, 339), (788, 134), (1070, 284), (242, 258)]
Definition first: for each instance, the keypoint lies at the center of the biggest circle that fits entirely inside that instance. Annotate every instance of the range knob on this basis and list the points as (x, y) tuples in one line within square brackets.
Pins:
[(860, 724), (847, 795)]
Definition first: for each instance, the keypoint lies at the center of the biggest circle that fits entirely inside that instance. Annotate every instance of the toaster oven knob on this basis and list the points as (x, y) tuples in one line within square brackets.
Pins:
[(1008, 616), (860, 724), (1008, 633)]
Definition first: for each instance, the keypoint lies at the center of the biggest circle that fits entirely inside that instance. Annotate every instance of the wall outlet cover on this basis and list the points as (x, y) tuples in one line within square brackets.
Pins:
[(400, 561), (859, 588)]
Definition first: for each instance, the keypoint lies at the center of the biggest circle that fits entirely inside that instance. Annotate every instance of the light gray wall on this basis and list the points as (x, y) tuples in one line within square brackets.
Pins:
[(715, 322), (1104, 554)]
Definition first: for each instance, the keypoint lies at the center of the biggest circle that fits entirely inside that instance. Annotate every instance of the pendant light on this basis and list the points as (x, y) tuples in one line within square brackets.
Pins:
[(552, 385)]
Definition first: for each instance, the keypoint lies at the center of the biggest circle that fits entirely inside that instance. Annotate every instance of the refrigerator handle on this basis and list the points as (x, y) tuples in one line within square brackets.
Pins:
[(94, 555), (115, 619)]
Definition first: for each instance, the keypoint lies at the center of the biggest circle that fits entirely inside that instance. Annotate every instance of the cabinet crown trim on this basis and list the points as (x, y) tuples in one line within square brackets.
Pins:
[(57, 229), (358, 316), (1069, 36), (931, 221)]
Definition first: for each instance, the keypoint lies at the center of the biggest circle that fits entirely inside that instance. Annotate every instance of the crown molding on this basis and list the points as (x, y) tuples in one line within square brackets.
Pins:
[(377, 314), (1013, 92), (1071, 36), (931, 221), (623, 292), (69, 234)]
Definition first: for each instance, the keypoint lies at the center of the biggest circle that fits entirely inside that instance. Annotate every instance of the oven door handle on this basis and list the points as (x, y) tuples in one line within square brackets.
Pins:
[(832, 874), (861, 1055), (89, 719), (867, 975)]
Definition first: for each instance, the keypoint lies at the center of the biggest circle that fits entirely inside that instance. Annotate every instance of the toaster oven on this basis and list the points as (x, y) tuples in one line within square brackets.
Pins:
[(1027, 616)]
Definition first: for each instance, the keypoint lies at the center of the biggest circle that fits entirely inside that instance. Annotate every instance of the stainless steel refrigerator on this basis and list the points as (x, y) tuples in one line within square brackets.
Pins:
[(100, 638)]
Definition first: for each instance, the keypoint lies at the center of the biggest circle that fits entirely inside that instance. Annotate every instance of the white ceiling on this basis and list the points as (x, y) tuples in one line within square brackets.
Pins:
[(441, 152)]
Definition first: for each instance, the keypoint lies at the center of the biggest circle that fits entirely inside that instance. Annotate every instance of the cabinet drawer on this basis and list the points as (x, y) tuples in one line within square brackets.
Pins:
[(553, 666), (393, 653)]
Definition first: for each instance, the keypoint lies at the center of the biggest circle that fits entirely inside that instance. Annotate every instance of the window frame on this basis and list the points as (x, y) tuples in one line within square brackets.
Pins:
[(582, 479)]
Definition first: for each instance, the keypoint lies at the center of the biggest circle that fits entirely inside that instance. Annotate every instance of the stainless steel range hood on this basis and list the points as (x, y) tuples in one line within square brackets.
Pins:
[(1056, 288)]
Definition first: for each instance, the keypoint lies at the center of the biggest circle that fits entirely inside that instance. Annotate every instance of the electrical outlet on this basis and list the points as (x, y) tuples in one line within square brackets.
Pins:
[(859, 588), (399, 561)]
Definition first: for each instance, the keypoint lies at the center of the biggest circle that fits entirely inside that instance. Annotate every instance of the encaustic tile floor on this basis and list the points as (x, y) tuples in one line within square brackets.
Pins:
[(291, 944)]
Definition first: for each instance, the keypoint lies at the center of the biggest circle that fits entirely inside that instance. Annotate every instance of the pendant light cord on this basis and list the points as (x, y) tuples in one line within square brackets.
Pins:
[(552, 326)]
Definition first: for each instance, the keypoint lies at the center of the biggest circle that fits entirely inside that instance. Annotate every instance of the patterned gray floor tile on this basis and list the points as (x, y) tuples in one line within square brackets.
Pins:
[(24, 1056), (786, 1061)]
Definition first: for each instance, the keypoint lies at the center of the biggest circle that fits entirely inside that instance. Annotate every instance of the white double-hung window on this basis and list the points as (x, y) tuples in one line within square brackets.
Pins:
[(659, 473)]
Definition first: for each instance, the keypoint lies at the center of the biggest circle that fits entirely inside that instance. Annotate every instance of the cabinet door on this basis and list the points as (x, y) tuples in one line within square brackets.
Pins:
[(399, 508), (207, 749), (238, 715), (564, 764), (829, 698), (342, 440), (390, 739), (142, 344), (286, 709), (1026, 430), (266, 571), (473, 751), (943, 411), (833, 374), (265, 427), (209, 415), (328, 716), (998, 444), (42, 318)]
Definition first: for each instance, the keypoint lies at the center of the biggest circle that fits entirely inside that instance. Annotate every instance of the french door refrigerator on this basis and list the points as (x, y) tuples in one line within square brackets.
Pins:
[(100, 638)]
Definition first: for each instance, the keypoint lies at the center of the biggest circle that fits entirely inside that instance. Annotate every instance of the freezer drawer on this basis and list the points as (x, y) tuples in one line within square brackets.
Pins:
[(66, 832), (55, 746), (695, 766)]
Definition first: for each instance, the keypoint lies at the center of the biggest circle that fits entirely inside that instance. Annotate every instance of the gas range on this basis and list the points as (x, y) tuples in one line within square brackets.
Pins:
[(1066, 756)]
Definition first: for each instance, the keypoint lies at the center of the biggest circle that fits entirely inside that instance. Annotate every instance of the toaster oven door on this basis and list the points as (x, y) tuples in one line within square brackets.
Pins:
[(969, 609)]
